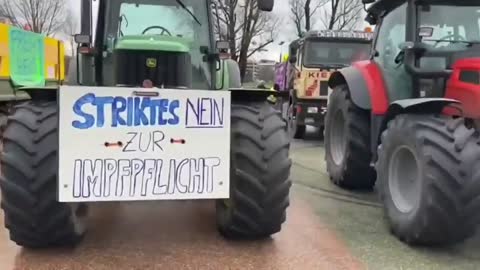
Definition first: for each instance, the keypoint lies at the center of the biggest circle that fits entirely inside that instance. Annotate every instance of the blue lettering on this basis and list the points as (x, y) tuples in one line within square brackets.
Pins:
[(139, 111), (163, 109), (130, 112), (173, 106), (77, 109), (205, 113), (219, 113), (191, 106), (204, 109), (125, 111), (117, 109), (154, 108), (100, 102)]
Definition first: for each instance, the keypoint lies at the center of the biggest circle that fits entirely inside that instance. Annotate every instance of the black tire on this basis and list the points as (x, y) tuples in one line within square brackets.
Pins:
[(296, 131), (348, 156), (4, 112), (29, 181), (442, 155), (260, 170), (321, 133)]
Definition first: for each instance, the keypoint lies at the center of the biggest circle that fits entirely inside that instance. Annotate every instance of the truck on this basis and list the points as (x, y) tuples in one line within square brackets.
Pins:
[(312, 59), (152, 112)]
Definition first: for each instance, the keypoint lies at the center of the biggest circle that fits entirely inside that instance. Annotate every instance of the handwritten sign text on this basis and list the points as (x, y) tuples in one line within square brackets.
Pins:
[(115, 146)]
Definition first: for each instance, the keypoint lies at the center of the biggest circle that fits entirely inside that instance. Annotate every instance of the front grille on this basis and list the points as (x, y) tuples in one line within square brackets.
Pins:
[(324, 88), (167, 69)]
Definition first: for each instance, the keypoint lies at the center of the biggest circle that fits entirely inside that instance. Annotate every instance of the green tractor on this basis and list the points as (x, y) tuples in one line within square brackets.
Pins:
[(150, 58), (407, 119)]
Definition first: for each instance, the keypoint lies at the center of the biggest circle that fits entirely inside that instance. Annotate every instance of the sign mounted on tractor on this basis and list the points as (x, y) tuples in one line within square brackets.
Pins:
[(119, 145)]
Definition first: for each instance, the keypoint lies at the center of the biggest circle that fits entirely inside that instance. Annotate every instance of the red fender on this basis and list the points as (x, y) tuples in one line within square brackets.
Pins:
[(375, 84)]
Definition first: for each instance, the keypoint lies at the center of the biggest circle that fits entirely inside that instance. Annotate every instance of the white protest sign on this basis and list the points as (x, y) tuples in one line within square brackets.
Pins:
[(126, 144)]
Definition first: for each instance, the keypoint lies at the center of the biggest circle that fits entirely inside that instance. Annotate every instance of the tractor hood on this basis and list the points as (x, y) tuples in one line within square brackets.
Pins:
[(153, 60), (154, 43)]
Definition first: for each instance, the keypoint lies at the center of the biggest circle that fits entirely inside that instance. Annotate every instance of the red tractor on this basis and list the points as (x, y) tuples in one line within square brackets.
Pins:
[(407, 120)]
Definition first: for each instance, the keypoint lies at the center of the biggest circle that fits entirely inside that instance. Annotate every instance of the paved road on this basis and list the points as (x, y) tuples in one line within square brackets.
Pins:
[(327, 228), (357, 220)]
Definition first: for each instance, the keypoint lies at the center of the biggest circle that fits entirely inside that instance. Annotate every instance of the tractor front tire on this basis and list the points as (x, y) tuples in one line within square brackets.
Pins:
[(347, 142), (429, 180), (260, 171), (296, 130), (28, 183)]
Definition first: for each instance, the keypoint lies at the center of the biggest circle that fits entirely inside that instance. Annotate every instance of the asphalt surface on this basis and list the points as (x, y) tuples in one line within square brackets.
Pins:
[(327, 228)]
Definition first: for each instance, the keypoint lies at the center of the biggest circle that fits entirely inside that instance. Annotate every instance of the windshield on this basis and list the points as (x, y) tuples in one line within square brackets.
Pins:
[(450, 26), (320, 53), (169, 18)]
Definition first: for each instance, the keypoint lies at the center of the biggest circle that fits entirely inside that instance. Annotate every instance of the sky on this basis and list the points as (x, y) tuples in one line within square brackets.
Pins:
[(281, 10)]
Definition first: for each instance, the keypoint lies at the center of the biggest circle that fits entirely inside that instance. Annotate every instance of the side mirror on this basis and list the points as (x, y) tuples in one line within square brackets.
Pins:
[(413, 47), (82, 39), (406, 45), (223, 45), (265, 5), (425, 32)]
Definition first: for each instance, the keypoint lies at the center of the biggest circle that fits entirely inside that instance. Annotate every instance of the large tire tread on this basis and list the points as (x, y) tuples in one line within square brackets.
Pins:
[(28, 183), (449, 209), (355, 172), (260, 173)]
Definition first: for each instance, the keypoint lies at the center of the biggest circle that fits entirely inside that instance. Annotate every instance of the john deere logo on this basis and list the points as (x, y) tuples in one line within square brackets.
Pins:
[(151, 62)]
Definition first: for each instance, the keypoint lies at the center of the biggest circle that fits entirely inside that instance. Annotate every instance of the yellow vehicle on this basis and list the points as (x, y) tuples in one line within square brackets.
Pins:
[(312, 59), (27, 60)]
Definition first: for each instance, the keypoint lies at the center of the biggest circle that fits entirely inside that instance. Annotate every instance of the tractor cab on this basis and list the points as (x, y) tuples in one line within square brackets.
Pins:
[(160, 43), (149, 42), (426, 38)]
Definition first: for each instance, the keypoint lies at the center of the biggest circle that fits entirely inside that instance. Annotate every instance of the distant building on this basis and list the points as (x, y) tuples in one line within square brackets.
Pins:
[(259, 70)]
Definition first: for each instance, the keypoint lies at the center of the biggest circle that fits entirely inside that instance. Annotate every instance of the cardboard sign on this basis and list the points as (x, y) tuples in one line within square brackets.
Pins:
[(127, 144), (27, 58)]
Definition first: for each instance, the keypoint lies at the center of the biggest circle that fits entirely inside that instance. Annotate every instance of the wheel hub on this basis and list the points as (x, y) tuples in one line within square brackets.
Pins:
[(338, 144), (403, 179)]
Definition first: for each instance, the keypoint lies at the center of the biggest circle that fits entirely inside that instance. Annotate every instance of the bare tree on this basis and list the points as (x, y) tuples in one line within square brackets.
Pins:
[(247, 29), (41, 16), (70, 29), (303, 12), (342, 14)]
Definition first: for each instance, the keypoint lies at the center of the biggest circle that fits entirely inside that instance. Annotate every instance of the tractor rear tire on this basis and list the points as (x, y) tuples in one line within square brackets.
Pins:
[(28, 183), (347, 142), (429, 180), (260, 171)]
